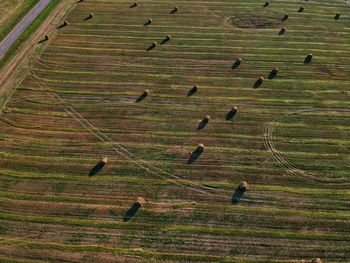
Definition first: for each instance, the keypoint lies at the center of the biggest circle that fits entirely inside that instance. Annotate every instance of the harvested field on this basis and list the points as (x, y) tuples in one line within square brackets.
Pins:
[(288, 139)]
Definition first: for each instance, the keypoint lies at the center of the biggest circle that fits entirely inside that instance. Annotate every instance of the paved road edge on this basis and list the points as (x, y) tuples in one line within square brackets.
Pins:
[(14, 71)]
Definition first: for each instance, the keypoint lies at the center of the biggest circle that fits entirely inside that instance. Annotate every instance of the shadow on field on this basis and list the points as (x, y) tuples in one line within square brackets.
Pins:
[(165, 40), (272, 74), (202, 124), (174, 10), (192, 91), (237, 195), (98, 167), (141, 98), (236, 64), (131, 212), (90, 16), (257, 83), (231, 114), (284, 18), (46, 38), (151, 47), (64, 24), (195, 155)]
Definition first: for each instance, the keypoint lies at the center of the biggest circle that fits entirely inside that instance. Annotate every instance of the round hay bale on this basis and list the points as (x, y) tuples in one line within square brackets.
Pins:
[(146, 92), (149, 21), (207, 117), (154, 44), (91, 15), (261, 79), (316, 260), (140, 201), (234, 109), (195, 87), (175, 9), (238, 60), (104, 160), (168, 37), (201, 147), (243, 186)]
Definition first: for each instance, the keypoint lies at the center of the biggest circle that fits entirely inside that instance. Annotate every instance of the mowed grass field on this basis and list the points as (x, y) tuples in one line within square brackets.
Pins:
[(289, 138), (11, 12)]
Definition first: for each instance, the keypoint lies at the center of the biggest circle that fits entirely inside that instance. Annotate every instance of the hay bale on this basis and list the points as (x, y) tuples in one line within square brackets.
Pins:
[(234, 109), (243, 186), (207, 118), (261, 79), (91, 15), (200, 147), (140, 201), (146, 92), (168, 37), (149, 21), (104, 160), (316, 260)]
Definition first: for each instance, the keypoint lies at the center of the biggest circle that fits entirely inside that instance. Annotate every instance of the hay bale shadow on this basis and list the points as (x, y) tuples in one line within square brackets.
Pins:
[(282, 31), (148, 22), (285, 18), (142, 97), (133, 5), (308, 59), (266, 4), (273, 73), (174, 10), (79, 1), (90, 16), (236, 64), (192, 91), (258, 83), (98, 167), (231, 114), (195, 155), (64, 24), (131, 212), (337, 16), (301, 10), (152, 46), (202, 124), (165, 40), (237, 195), (46, 38)]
